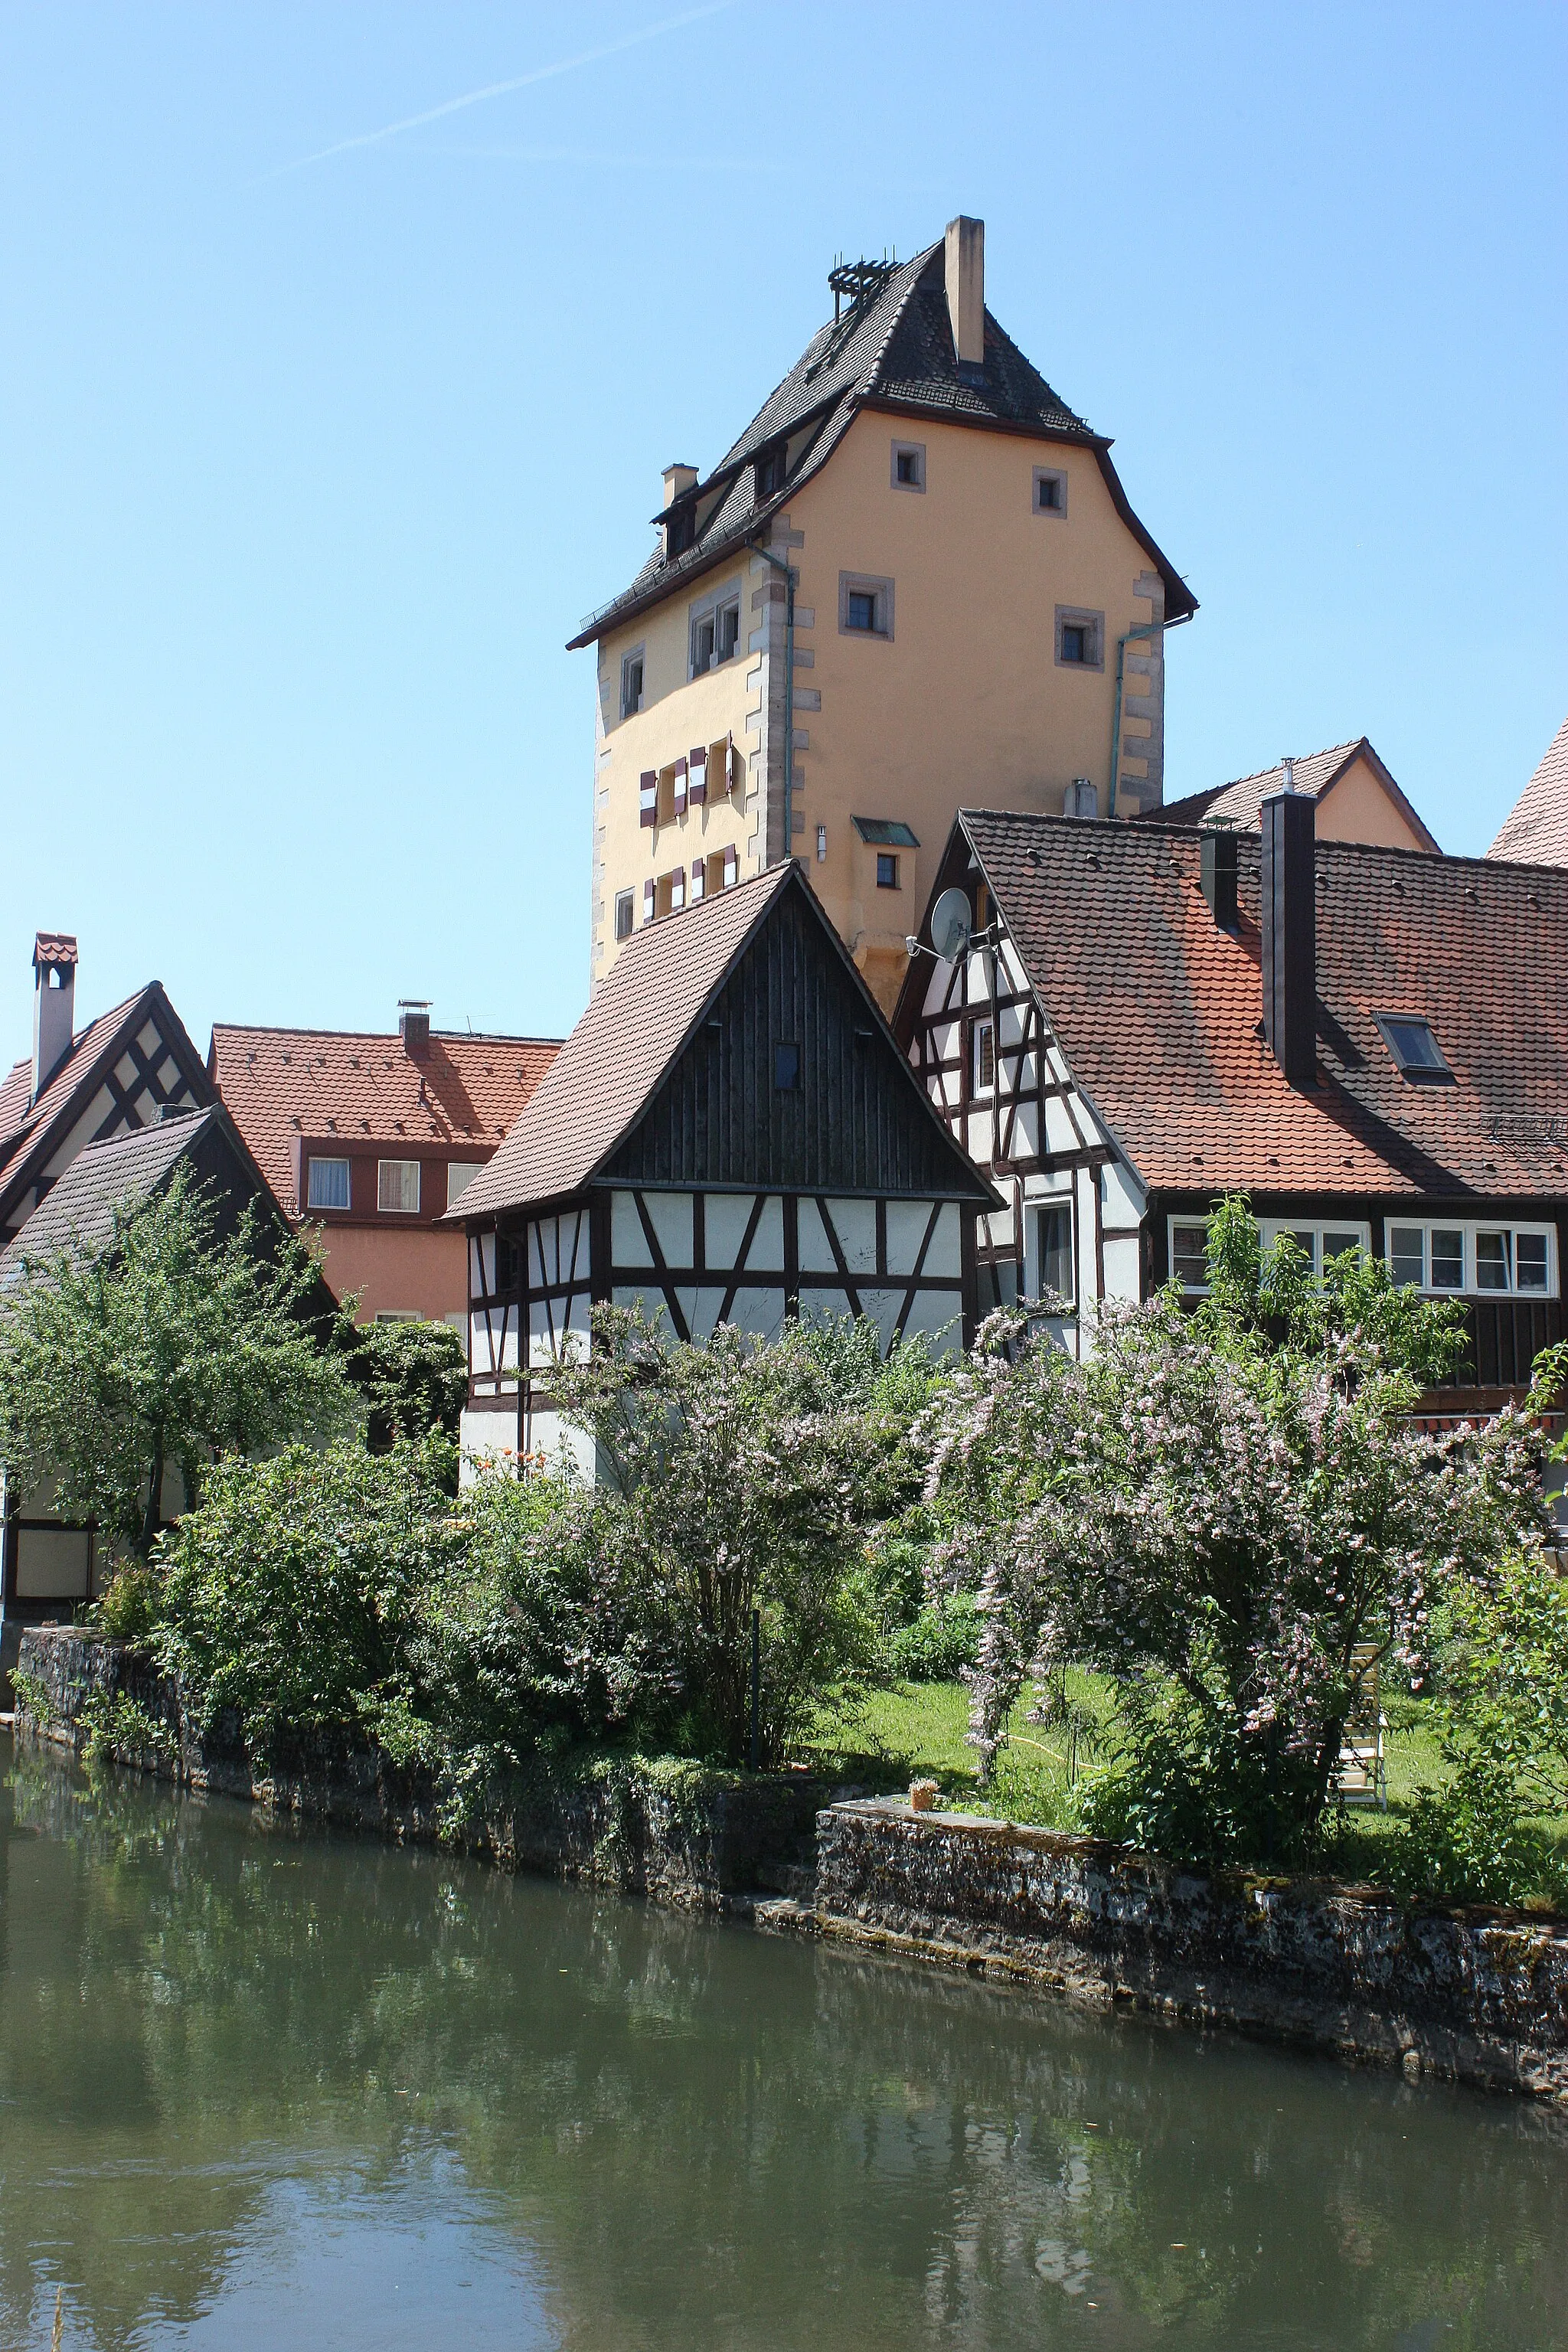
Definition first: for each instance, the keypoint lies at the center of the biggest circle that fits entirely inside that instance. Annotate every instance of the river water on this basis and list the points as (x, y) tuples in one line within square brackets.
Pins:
[(262, 2087)]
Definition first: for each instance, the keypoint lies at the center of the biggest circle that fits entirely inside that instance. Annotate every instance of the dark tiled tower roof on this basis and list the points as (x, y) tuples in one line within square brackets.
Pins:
[(893, 350)]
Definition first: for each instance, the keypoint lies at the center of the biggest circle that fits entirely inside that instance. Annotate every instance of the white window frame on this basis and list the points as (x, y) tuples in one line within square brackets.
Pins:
[(1469, 1227), (637, 653), (397, 1315), (396, 1208), (708, 609), (465, 1171), (982, 1089), (317, 1160), (1037, 1211), (1270, 1229)]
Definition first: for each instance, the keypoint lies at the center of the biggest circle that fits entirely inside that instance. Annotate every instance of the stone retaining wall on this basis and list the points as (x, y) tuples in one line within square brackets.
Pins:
[(682, 1832), (1479, 1996)]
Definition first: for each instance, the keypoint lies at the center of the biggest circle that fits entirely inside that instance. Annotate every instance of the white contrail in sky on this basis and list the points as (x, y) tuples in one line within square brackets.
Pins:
[(500, 89)]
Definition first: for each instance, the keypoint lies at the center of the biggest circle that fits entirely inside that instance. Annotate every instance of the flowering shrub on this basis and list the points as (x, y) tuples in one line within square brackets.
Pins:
[(1217, 1510), (739, 1476)]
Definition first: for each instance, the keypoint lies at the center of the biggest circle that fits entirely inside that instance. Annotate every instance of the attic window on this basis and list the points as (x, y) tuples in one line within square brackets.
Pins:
[(1416, 1051), (680, 529), (787, 1069), (770, 470)]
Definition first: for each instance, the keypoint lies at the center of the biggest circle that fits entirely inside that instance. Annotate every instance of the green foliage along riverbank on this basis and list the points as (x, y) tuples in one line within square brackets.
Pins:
[(1171, 1562)]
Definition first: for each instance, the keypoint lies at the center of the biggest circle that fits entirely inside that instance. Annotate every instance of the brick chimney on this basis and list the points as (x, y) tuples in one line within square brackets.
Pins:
[(54, 1005), (1288, 915), (966, 290), (414, 1027)]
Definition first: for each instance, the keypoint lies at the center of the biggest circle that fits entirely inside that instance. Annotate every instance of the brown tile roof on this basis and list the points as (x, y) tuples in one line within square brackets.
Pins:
[(22, 1130), (277, 1083), (1237, 803), (639, 1016), (1537, 825), (1157, 1010)]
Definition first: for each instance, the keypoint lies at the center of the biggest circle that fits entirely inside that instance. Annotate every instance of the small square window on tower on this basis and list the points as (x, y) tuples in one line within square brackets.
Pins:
[(623, 914), (1080, 638), (865, 606), (1050, 491), (887, 869), (908, 466)]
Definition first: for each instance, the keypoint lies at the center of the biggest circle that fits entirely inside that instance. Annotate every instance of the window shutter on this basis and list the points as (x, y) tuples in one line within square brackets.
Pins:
[(680, 792), (647, 900), (678, 890), (732, 867), (697, 761), (699, 879), (648, 812), (731, 763), (719, 770)]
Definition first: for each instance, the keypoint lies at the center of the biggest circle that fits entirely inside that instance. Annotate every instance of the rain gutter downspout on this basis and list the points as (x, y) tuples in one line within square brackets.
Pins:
[(1144, 629), (791, 577)]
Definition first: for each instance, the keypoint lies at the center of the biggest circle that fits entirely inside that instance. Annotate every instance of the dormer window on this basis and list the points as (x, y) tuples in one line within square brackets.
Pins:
[(1417, 1053), (770, 470), (680, 529)]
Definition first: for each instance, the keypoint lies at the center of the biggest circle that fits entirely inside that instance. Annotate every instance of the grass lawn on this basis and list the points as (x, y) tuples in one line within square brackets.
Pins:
[(916, 1730)]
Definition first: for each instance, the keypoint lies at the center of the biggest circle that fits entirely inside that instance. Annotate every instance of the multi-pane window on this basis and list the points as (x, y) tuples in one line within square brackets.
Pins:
[(1318, 1244), (327, 1185), (715, 634), (862, 609), (1053, 1230), (398, 1186), (983, 1057), (631, 684), (887, 869), (1512, 1259), (865, 605), (771, 468), (1080, 639), (460, 1174)]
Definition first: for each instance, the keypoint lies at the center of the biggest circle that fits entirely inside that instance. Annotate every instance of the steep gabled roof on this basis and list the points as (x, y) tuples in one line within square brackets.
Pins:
[(1537, 825), (891, 350), (276, 1084), (641, 1018), (1238, 803), (1157, 1010), (81, 1206), (30, 1136)]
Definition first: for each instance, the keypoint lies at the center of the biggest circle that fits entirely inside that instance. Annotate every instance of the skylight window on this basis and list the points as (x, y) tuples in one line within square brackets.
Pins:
[(1415, 1050)]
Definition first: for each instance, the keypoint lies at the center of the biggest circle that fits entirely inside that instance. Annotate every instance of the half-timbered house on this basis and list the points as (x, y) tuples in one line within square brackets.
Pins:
[(51, 1565), (730, 1134), (1129, 1022), (76, 1087)]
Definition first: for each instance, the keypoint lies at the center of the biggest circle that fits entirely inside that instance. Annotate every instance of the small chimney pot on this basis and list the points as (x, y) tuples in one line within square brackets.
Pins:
[(54, 1005), (1288, 916)]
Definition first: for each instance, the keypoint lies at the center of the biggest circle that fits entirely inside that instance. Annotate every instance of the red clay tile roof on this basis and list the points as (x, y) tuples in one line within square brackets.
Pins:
[(1237, 803), (277, 1083), (1537, 826), (637, 1017), (54, 948), (1157, 1010)]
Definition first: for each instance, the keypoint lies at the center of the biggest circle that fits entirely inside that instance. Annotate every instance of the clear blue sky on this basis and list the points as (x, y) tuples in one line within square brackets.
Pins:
[(310, 460)]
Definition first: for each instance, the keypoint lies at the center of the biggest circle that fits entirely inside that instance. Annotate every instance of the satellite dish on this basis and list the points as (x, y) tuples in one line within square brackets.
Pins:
[(950, 924)]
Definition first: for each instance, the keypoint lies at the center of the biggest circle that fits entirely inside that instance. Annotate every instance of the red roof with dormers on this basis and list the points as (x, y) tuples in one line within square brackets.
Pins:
[(1158, 1010), (279, 1084)]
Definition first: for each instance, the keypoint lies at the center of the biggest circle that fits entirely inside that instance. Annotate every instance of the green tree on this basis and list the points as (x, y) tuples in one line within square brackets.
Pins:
[(414, 1378), (164, 1344)]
